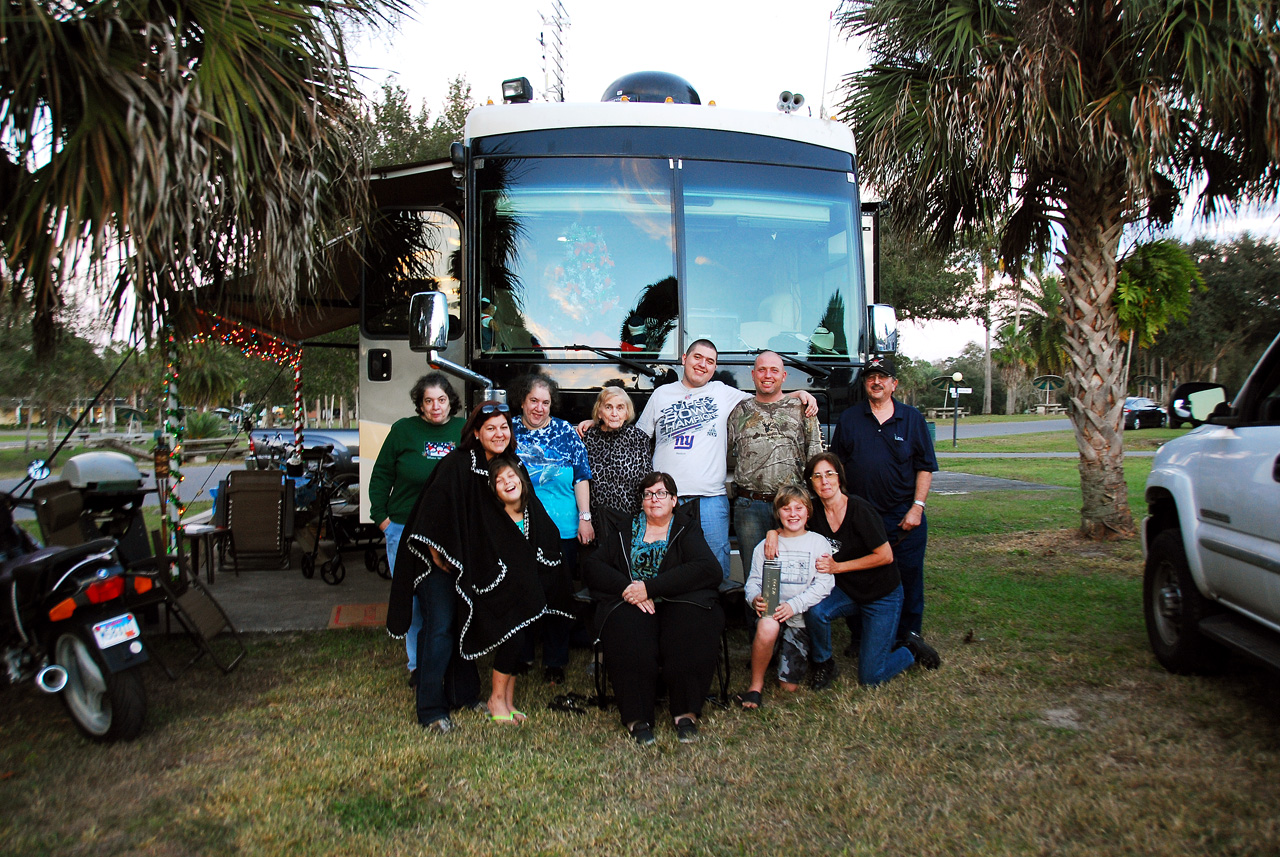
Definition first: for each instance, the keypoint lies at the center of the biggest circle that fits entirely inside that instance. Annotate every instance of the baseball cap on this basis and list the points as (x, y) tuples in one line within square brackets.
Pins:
[(880, 363)]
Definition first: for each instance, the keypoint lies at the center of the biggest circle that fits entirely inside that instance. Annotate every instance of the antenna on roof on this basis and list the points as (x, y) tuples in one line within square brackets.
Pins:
[(553, 45)]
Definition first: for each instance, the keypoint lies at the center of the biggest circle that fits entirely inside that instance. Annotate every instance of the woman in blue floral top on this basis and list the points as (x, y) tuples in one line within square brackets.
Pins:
[(655, 581), (556, 460)]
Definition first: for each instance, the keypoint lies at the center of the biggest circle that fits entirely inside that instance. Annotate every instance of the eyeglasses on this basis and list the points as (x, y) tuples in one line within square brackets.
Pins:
[(494, 408), (655, 495), (825, 477)]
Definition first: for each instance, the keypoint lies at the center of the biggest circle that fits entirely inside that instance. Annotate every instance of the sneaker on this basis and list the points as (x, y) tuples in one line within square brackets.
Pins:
[(926, 655), (643, 734), (553, 675), (686, 730), (443, 726), (823, 674)]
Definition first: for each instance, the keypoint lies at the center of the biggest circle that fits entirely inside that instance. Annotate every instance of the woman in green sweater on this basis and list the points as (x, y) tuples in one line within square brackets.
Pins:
[(408, 456)]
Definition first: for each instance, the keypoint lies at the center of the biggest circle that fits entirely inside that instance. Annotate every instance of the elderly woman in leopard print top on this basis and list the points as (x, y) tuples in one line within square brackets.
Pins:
[(619, 453)]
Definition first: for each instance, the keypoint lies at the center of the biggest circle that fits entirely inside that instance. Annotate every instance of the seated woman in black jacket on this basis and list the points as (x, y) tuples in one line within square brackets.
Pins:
[(659, 610)]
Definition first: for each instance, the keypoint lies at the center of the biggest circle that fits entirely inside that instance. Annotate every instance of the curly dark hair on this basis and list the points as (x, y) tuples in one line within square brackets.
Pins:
[(434, 379), (521, 387)]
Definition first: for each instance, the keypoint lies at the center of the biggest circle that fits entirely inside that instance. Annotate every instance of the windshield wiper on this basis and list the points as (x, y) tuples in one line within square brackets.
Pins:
[(623, 361), (792, 360)]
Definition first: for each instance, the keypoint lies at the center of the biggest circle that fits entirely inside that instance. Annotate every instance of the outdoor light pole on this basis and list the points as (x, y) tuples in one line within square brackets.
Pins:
[(955, 414)]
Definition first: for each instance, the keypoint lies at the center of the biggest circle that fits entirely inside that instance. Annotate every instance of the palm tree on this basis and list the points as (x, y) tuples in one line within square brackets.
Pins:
[(1081, 117), (1012, 355), (164, 145)]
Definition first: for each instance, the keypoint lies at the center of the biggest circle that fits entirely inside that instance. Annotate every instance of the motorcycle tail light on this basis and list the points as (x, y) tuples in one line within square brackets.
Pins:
[(62, 610), (142, 584), (105, 590)]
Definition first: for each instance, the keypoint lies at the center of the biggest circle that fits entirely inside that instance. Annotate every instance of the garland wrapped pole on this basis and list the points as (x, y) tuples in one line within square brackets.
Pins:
[(299, 409), (170, 441)]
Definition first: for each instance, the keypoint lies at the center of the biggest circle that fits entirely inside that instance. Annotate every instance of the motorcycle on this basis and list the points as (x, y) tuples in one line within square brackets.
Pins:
[(67, 625)]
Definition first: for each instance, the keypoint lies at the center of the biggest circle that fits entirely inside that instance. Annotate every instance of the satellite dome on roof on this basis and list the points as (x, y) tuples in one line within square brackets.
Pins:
[(652, 86)]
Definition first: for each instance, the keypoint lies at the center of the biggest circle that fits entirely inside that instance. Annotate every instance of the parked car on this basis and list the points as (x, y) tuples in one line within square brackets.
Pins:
[(345, 443), (1141, 412), (1211, 539)]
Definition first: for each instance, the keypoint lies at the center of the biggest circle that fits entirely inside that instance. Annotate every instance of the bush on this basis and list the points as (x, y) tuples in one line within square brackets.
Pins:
[(200, 426)]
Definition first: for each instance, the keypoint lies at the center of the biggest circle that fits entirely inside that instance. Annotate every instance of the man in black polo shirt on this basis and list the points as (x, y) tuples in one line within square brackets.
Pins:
[(889, 461)]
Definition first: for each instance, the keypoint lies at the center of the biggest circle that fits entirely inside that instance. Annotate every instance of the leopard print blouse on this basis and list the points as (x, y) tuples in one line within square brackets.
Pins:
[(619, 460)]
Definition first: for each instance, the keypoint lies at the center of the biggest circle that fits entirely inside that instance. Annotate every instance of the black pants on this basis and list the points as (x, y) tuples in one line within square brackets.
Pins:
[(680, 641), (509, 658)]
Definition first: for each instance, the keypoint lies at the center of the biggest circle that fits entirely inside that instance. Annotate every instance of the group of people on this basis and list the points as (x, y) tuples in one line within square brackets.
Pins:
[(488, 521)]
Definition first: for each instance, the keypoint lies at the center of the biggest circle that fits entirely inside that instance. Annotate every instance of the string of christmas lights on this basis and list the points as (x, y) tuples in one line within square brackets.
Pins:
[(255, 343)]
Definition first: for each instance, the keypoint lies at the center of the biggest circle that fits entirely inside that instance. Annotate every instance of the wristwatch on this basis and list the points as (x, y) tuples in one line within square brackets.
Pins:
[(584, 516), (919, 503)]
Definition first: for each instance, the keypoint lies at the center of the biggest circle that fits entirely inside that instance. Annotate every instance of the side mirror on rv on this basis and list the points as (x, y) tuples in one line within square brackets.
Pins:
[(428, 321), (884, 328)]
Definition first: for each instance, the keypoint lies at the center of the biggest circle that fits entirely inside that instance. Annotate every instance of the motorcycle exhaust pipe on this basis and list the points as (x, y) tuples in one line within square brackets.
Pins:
[(51, 679)]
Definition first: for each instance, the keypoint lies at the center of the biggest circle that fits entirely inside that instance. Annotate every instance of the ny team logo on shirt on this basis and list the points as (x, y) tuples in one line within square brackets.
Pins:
[(437, 449), (683, 419)]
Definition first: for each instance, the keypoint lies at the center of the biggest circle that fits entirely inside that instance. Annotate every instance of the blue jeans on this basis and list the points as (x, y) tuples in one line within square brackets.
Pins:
[(444, 680), (392, 535), (714, 511), (752, 519), (878, 659), (909, 552)]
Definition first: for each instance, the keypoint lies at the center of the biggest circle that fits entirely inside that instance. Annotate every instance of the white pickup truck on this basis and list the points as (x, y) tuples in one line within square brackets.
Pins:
[(1212, 534)]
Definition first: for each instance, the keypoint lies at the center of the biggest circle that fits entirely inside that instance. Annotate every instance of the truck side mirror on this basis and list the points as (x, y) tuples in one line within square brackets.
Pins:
[(1196, 406), (884, 328), (428, 321)]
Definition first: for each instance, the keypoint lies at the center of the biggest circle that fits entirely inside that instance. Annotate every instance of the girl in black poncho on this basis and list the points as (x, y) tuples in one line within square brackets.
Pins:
[(460, 534)]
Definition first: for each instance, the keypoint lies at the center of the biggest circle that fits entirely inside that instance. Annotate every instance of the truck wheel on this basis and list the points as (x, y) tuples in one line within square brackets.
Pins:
[(1173, 608), (105, 706)]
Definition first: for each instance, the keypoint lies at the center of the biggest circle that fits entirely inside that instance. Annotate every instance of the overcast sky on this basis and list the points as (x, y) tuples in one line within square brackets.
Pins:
[(740, 55)]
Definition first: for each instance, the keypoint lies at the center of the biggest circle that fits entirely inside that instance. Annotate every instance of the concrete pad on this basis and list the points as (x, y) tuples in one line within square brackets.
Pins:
[(284, 600)]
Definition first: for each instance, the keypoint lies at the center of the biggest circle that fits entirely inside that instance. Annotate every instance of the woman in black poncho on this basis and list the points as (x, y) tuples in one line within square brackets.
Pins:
[(460, 540)]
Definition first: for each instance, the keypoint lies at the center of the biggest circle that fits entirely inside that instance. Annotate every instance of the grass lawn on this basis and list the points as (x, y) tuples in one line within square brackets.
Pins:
[(1049, 729), (1051, 441)]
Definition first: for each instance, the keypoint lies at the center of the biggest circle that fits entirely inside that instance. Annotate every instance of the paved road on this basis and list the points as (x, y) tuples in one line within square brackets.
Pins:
[(196, 482), (970, 430)]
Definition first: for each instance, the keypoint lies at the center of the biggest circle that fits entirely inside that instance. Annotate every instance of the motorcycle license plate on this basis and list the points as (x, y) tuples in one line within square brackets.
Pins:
[(114, 631)]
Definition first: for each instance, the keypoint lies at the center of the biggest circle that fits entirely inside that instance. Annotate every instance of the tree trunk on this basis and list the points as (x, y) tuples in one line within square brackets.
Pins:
[(51, 423), (1011, 378), (1093, 221), (986, 365)]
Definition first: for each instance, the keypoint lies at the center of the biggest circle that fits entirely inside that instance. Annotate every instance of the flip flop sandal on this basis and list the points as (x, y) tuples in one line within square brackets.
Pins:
[(570, 703), (749, 696)]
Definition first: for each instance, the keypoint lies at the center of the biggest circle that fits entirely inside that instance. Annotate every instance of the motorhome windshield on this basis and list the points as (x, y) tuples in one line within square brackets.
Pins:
[(589, 251)]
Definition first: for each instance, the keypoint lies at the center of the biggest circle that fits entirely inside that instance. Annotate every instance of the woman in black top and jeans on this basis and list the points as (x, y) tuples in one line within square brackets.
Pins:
[(655, 581)]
